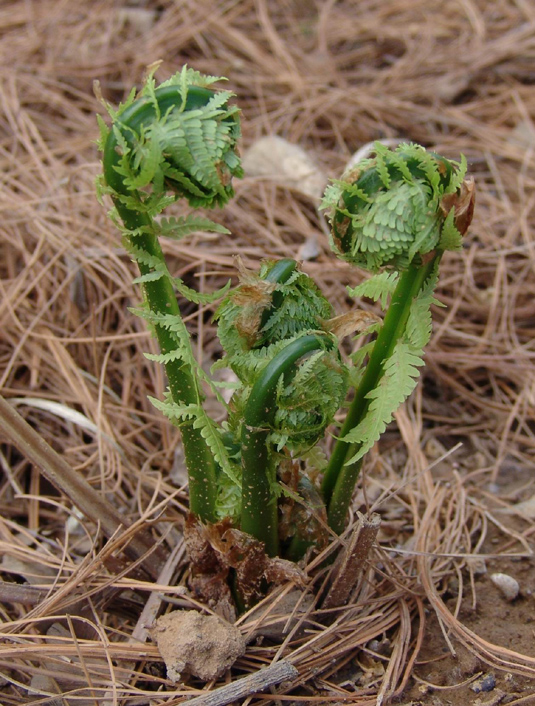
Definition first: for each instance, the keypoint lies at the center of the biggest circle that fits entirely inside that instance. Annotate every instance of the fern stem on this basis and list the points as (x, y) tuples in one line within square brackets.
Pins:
[(339, 479), (259, 501), (159, 294), (161, 299)]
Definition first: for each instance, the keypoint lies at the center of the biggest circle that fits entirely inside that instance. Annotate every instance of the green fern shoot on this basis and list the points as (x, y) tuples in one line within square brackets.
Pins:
[(394, 215), (175, 140), (399, 211)]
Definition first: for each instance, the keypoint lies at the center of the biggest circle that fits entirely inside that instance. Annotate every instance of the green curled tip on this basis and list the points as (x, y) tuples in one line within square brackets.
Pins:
[(393, 209), (180, 138)]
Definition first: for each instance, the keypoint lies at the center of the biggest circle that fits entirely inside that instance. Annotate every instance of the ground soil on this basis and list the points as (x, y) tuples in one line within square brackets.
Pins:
[(446, 672), (439, 676)]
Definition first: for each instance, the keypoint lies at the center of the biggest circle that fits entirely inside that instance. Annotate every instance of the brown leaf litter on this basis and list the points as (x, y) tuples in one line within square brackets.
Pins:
[(424, 619), (215, 550)]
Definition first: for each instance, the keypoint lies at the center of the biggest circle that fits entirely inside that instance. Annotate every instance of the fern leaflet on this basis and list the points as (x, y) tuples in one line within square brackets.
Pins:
[(451, 238), (398, 381), (178, 228), (378, 287), (210, 431)]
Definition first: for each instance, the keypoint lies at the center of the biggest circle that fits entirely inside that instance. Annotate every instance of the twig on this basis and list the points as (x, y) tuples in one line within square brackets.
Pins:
[(17, 593), (251, 684), (348, 568)]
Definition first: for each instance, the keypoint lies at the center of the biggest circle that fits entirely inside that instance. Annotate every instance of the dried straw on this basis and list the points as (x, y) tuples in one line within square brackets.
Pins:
[(331, 77)]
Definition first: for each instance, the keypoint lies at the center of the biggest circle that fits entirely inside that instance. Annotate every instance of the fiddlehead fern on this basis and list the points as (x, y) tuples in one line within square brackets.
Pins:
[(273, 330), (256, 322), (259, 498), (400, 210), (175, 140), (391, 211)]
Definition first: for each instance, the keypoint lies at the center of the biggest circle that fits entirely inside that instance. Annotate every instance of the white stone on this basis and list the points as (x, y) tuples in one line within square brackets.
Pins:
[(507, 585)]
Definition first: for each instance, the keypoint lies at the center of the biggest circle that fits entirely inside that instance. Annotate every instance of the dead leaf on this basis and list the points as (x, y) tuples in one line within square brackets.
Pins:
[(463, 202), (253, 296), (279, 571), (351, 322), (214, 549)]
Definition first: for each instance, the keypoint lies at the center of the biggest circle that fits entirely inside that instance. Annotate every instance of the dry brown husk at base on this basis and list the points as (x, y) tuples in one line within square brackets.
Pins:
[(332, 76)]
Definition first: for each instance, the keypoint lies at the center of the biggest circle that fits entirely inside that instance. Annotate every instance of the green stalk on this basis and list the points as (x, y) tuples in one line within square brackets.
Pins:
[(159, 294), (259, 502), (339, 479), (161, 299)]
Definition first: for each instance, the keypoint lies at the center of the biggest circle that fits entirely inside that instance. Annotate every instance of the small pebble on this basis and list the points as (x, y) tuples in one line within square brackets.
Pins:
[(507, 585), (485, 683)]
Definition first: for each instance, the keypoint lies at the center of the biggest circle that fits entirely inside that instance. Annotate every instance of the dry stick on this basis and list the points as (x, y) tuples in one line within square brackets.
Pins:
[(77, 489), (352, 559), (17, 593), (249, 685)]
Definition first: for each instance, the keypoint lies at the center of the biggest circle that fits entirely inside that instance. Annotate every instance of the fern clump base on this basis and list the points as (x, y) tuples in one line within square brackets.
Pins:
[(279, 468)]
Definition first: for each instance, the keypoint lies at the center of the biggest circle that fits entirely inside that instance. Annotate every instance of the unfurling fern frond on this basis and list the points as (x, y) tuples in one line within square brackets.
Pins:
[(176, 140), (248, 317), (399, 210), (391, 211), (179, 137), (256, 323), (308, 403)]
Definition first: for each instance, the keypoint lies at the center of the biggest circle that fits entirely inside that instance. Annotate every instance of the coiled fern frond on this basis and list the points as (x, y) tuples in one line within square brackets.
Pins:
[(172, 141), (400, 211), (398, 207), (253, 331), (179, 137)]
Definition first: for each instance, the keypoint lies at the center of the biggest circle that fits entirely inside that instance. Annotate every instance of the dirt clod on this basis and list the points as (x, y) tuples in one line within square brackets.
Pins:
[(204, 646)]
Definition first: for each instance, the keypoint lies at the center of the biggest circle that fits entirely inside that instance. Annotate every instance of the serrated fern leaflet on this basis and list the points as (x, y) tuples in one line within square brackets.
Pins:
[(398, 381)]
